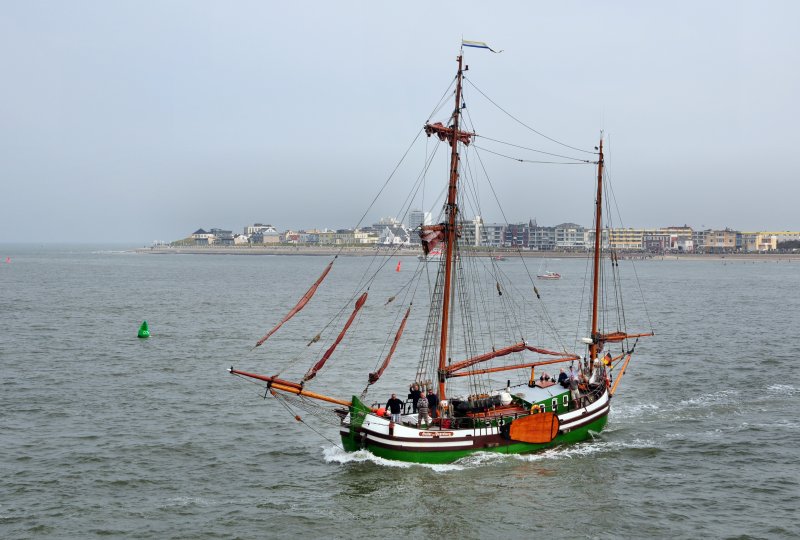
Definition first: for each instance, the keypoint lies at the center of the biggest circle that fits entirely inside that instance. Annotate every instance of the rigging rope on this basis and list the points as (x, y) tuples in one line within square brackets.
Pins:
[(633, 265), (582, 162), (297, 417), (546, 316), (532, 149), (523, 124), (383, 187)]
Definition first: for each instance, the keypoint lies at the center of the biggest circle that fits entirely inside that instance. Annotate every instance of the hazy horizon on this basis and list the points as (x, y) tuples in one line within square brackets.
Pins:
[(131, 122)]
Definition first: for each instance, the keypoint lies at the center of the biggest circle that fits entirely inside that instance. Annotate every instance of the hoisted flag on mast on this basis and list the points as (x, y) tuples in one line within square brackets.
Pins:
[(477, 45)]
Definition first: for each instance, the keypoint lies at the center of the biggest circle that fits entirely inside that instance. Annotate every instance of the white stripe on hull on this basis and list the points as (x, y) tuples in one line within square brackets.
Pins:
[(566, 428), (424, 443)]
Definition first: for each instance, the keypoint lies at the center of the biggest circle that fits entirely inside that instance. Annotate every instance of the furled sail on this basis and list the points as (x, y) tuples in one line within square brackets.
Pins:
[(300, 305), (446, 133), (614, 337), (373, 377), (431, 236), (517, 347), (313, 371)]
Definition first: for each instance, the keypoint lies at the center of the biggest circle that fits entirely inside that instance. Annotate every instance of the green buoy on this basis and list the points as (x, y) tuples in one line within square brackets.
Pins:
[(144, 332)]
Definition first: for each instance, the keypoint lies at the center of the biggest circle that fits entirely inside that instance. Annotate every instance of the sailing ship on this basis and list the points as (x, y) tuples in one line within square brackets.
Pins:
[(475, 328)]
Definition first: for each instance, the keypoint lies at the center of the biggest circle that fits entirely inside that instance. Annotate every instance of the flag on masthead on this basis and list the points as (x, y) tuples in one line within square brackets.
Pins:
[(477, 45)]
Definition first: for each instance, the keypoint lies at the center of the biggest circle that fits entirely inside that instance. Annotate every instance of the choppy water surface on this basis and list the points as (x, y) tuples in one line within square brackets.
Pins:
[(104, 434)]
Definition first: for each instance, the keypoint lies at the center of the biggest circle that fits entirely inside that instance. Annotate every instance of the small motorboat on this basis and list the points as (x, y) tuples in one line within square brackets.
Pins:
[(549, 275)]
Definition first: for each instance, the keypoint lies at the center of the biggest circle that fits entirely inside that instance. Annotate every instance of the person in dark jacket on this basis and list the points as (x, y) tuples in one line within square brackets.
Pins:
[(433, 403), (395, 407), (414, 395)]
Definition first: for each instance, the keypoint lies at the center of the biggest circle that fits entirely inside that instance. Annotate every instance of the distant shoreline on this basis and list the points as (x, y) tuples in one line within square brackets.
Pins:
[(414, 252)]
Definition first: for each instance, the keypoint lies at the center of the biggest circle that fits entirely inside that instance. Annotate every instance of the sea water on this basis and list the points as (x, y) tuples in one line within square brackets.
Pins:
[(104, 434)]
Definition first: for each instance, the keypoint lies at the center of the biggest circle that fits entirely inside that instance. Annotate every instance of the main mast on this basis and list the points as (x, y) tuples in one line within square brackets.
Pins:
[(450, 234), (598, 242)]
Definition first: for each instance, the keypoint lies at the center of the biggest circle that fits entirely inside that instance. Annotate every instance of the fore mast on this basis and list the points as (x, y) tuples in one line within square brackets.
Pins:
[(598, 244)]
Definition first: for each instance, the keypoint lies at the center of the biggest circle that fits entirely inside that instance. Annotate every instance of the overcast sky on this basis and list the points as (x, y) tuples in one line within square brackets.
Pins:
[(137, 121)]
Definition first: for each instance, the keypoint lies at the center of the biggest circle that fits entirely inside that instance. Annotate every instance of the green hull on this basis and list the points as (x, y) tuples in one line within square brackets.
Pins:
[(352, 444)]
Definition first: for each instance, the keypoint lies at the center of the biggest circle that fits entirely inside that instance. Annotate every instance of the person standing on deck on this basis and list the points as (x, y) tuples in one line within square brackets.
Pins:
[(574, 391), (597, 373), (395, 407), (433, 403), (563, 378), (414, 395), (422, 413)]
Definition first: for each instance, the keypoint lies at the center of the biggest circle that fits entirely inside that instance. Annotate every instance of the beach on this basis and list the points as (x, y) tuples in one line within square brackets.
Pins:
[(349, 251)]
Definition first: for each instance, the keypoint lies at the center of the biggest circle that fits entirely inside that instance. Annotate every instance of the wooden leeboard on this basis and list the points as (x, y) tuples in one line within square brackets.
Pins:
[(535, 428)]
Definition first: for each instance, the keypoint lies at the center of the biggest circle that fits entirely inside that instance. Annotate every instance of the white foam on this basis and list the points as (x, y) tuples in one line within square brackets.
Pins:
[(335, 454), (185, 501), (722, 396), (633, 411), (480, 459), (781, 424), (600, 447), (782, 388)]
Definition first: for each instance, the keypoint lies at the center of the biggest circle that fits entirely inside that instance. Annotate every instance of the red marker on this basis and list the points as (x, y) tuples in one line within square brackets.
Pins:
[(398, 266)]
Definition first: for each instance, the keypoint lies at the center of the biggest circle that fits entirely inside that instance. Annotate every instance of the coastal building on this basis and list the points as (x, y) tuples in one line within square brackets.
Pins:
[(393, 236), (683, 230), (682, 244), (202, 238), (720, 241), (362, 236), (628, 239), (386, 222), (699, 239), (308, 237), (680, 238), (258, 228), (492, 234), (271, 237), (326, 237), (516, 235), (785, 236), (291, 237), (541, 238), (471, 232), (222, 237), (758, 242), (344, 237), (416, 219), (258, 233), (656, 242), (589, 239), (570, 236)]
